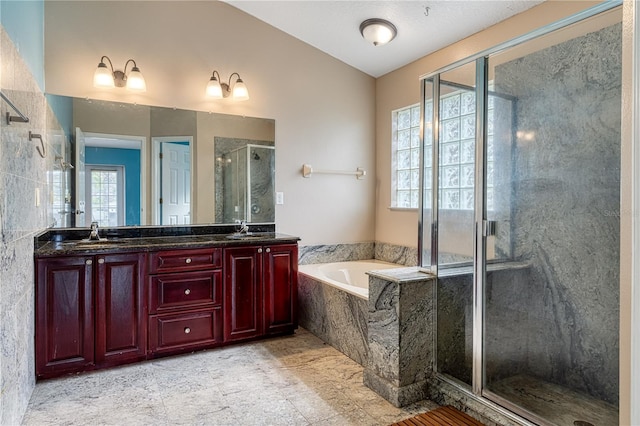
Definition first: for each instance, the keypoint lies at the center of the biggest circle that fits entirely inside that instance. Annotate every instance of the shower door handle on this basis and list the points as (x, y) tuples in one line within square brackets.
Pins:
[(488, 228)]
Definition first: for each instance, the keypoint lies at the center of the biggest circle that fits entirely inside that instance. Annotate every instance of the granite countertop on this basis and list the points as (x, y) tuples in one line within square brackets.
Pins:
[(145, 244)]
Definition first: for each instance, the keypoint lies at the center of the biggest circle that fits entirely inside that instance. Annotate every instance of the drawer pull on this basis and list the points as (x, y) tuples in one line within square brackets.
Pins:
[(187, 330), (268, 250), (187, 292), (260, 250), (101, 261), (188, 260), (88, 261)]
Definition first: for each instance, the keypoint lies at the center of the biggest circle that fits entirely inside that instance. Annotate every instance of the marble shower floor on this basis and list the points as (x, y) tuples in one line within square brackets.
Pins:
[(293, 380), (556, 404)]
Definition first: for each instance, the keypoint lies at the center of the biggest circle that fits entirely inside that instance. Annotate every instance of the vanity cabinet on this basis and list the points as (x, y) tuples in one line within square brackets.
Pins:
[(97, 310), (185, 300), (90, 312), (260, 291), (280, 278)]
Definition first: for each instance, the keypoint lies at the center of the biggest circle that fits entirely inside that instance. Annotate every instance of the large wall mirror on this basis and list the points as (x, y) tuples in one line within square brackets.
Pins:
[(133, 165)]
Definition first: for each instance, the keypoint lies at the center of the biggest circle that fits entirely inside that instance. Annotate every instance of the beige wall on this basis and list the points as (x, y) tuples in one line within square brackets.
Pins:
[(323, 109), (401, 88)]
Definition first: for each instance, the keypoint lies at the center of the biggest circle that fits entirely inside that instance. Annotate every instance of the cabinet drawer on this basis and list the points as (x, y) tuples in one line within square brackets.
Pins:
[(176, 332), (185, 260), (185, 290)]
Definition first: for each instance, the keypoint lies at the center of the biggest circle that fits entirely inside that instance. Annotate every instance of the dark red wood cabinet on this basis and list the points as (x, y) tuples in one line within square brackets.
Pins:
[(280, 288), (242, 293), (260, 291), (121, 313), (185, 300), (64, 315), (90, 312), (101, 310)]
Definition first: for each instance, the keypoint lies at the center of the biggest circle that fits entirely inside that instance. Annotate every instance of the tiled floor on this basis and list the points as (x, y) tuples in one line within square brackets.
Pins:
[(294, 380)]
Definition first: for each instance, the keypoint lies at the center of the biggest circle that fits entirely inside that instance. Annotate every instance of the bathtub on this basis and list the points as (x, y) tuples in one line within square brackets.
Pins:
[(333, 304), (348, 276)]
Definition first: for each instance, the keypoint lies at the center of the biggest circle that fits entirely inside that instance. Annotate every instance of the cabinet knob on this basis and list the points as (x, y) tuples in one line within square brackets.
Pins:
[(101, 261), (188, 260), (268, 250), (260, 250), (187, 292), (187, 330), (88, 261)]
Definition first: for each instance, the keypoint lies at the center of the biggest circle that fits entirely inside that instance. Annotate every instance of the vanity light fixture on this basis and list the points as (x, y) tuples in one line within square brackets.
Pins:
[(105, 77), (378, 31), (217, 90)]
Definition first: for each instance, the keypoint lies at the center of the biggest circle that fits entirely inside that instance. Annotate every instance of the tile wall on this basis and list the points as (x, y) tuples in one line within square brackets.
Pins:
[(23, 173)]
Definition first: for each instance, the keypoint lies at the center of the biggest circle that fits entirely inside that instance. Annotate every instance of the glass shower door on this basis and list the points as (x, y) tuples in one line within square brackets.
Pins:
[(455, 223), (551, 287)]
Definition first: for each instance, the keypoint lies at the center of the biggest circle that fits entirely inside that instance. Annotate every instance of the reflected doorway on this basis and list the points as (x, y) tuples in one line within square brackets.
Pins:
[(172, 165)]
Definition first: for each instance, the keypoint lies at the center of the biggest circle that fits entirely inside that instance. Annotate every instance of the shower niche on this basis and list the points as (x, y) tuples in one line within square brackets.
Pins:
[(521, 176), (244, 176)]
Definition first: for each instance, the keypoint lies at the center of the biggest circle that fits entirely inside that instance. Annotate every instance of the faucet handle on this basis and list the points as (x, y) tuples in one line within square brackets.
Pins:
[(94, 231)]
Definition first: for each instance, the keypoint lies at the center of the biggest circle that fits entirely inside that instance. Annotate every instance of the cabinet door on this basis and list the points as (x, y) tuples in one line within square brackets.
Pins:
[(120, 309), (64, 315), (280, 288), (242, 293)]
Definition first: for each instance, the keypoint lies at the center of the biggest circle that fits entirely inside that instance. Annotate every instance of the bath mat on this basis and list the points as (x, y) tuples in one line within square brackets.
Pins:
[(443, 416)]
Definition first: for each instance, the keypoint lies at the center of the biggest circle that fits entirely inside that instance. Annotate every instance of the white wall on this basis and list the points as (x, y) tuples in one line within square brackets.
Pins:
[(324, 109)]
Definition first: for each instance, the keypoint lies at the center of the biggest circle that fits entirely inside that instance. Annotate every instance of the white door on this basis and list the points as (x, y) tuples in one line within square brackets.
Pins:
[(176, 184), (80, 180)]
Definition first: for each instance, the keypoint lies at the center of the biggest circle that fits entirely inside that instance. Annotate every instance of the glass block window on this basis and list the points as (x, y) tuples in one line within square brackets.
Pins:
[(457, 153), (405, 128)]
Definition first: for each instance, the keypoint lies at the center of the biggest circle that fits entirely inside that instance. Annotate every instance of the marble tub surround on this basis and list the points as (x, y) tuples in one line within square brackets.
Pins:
[(293, 380), (400, 334), (392, 253), (335, 316), (327, 253)]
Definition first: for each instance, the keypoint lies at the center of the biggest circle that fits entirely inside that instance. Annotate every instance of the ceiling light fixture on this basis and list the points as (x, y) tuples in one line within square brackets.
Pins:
[(217, 90), (105, 77), (378, 31)]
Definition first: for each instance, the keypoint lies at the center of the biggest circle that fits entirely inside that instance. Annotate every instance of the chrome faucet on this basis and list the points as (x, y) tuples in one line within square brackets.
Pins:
[(94, 232), (243, 228)]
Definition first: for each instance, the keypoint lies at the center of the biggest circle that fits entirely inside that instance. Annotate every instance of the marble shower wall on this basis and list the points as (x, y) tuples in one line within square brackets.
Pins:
[(22, 173), (262, 164), (564, 198)]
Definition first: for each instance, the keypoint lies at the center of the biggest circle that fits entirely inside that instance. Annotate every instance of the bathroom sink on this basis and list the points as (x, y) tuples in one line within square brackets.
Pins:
[(91, 243), (248, 236)]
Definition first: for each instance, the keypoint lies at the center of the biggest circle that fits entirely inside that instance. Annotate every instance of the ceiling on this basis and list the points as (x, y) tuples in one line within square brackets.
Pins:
[(423, 26)]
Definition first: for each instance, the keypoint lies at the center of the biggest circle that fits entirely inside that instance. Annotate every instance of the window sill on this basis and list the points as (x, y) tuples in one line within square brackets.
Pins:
[(403, 209)]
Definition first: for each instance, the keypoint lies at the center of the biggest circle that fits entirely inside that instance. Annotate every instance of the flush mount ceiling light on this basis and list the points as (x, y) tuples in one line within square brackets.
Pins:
[(378, 31), (105, 77), (217, 90)]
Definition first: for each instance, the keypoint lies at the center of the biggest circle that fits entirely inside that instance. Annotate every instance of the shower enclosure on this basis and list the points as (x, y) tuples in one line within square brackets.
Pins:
[(247, 184), (520, 220)]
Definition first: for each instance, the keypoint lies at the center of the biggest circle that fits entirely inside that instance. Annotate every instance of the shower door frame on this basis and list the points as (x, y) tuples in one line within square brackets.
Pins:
[(481, 59)]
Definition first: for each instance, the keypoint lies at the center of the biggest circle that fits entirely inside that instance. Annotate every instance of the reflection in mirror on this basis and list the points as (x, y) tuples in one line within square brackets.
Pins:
[(244, 189), (142, 165)]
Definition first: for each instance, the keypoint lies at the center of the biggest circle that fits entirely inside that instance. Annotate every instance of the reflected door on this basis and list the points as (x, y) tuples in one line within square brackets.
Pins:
[(176, 184)]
